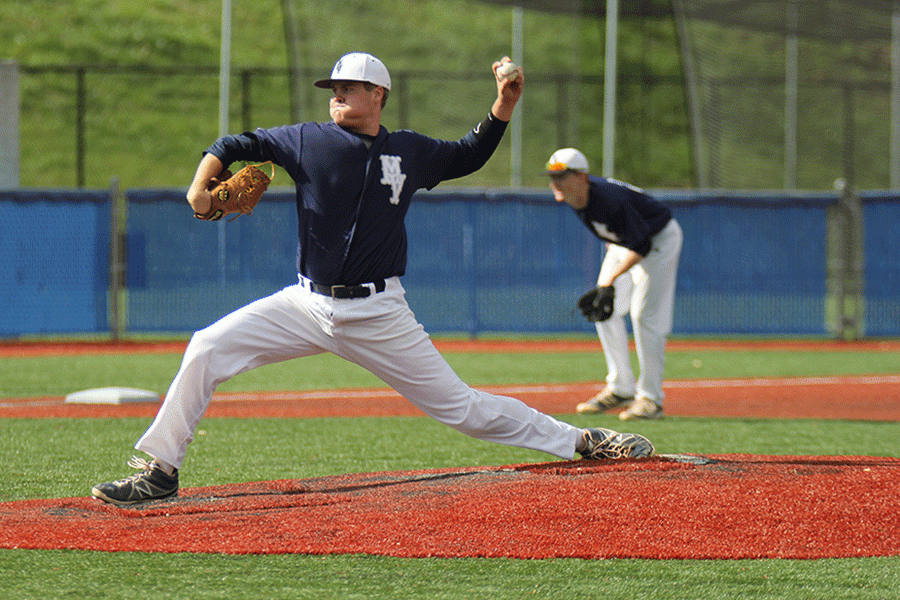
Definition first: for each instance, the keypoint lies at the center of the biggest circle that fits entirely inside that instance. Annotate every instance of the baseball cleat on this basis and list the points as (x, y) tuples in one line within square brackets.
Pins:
[(152, 483), (605, 443), (642, 409), (603, 401)]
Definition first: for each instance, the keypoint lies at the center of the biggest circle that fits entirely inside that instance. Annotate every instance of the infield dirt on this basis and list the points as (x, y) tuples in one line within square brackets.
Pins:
[(717, 506)]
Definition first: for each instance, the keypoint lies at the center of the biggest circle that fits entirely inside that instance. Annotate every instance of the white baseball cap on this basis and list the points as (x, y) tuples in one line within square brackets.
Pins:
[(358, 66), (567, 159)]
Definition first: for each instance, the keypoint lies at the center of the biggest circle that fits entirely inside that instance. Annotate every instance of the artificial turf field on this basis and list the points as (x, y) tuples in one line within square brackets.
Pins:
[(61, 458)]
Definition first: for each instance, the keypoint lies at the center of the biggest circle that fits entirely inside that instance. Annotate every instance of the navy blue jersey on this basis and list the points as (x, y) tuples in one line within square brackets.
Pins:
[(353, 191), (623, 214)]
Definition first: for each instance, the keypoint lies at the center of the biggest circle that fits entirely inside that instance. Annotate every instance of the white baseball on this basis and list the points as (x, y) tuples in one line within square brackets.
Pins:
[(508, 70)]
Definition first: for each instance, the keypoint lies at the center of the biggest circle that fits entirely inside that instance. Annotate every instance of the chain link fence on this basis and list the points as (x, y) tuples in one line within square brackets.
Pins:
[(787, 94), (148, 125)]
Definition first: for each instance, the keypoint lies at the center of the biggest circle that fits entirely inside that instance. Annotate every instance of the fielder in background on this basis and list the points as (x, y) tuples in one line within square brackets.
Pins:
[(637, 275), (354, 183)]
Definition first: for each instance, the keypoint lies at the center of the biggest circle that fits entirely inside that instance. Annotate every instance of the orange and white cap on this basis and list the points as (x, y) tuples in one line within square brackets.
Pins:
[(567, 159)]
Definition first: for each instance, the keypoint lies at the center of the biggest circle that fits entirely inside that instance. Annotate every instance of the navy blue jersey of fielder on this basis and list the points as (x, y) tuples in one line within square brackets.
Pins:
[(623, 214), (353, 190)]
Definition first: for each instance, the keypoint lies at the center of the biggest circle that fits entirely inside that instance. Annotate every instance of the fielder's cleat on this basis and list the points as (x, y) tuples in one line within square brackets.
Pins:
[(603, 401), (152, 483), (605, 443), (642, 409)]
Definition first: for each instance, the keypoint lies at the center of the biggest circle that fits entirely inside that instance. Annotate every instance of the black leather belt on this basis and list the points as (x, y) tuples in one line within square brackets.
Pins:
[(346, 291)]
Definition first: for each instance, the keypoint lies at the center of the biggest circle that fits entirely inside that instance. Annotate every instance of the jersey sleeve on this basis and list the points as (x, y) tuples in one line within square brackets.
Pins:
[(232, 148), (476, 147), (255, 146), (440, 160)]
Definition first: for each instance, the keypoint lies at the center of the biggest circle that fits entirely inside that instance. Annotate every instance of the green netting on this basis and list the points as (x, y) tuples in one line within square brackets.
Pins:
[(787, 94)]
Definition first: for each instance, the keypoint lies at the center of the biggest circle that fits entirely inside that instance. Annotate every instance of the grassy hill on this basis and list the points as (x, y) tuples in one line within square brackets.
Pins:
[(150, 85)]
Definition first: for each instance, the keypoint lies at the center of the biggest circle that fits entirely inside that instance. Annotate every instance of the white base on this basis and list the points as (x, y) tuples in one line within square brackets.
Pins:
[(112, 395)]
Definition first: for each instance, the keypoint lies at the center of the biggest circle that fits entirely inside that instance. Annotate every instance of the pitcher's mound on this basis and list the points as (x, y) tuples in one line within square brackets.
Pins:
[(667, 507)]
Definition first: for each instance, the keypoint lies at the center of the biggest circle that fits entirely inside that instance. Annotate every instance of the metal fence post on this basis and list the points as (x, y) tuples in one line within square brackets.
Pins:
[(845, 276), (10, 105), (854, 325), (470, 259), (117, 259), (399, 88), (80, 110), (246, 102), (562, 111)]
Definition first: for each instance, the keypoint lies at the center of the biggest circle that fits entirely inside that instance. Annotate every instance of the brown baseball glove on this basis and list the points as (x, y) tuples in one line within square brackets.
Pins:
[(238, 193)]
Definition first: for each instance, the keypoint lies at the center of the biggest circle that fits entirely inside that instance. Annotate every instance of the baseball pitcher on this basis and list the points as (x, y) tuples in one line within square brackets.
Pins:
[(354, 182)]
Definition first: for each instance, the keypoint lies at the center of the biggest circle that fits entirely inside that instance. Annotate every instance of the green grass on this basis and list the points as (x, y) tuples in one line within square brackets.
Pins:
[(70, 574), (59, 458), (50, 458), (83, 574), (40, 376), (149, 130), (53, 458)]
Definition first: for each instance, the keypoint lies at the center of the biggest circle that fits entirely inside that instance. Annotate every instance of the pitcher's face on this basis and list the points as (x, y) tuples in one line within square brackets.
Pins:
[(354, 107)]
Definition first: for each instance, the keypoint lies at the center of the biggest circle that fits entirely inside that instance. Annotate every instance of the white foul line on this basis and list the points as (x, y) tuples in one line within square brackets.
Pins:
[(556, 388), (566, 387)]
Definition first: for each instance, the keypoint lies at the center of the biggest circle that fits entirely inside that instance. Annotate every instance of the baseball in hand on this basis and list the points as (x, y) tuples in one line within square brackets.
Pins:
[(508, 70)]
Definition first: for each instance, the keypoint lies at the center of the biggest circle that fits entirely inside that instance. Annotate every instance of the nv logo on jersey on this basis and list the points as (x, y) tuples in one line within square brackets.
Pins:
[(604, 232), (392, 176)]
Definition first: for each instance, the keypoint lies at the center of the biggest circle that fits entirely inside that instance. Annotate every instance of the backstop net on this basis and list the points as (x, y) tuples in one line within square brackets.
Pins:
[(793, 94)]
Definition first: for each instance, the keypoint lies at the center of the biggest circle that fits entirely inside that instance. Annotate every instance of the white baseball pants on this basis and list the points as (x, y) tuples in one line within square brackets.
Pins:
[(379, 333), (647, 291)]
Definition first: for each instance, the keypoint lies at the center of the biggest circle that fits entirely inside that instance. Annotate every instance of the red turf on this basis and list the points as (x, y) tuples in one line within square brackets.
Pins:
[(734, 506)]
